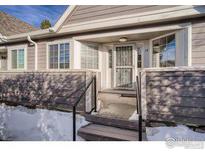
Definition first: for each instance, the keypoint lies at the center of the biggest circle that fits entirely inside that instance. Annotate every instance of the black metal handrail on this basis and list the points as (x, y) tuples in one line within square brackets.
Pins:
[(92, 82), (139, 106)]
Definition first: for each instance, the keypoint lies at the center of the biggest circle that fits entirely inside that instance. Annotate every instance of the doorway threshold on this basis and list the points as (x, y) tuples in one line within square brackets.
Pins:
[(119, 91)]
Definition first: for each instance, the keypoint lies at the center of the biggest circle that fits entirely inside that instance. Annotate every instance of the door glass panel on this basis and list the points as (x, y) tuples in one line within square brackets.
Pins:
[(110, 58), (124, 77), (139, 58), (124, 56)]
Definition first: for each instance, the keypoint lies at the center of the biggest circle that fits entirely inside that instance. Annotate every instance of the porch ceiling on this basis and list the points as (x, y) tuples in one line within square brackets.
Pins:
[(131, 37)]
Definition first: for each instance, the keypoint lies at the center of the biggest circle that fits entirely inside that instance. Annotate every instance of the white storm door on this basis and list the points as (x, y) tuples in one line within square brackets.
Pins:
[(124, 66)]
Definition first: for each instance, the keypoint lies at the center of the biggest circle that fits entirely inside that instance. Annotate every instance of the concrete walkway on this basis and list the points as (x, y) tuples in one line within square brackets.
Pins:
[(118, 110)]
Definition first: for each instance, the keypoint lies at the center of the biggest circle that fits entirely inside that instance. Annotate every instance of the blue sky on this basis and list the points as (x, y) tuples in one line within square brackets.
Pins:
[(34, 14)]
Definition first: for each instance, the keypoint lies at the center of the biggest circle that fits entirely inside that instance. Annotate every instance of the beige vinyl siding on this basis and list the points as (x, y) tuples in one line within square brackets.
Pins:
[(42, 56), (31, 58), (198, 42), (95, 12)]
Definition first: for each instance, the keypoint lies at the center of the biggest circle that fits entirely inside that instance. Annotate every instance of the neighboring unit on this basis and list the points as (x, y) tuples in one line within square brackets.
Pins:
[(9, 26)]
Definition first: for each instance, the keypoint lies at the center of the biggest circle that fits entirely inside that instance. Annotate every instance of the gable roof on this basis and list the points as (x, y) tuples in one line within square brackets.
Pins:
[(61, 28), (62, 19), (92, 20), (12, 26)]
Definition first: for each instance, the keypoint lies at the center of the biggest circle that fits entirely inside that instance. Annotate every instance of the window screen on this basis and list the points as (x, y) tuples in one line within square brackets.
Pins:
[(89, 56)]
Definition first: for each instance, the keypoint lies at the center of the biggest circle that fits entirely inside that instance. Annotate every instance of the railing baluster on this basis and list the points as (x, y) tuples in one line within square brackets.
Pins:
[(95, 98), (138, 95), (74, 123), (93, 81), (140, 109)]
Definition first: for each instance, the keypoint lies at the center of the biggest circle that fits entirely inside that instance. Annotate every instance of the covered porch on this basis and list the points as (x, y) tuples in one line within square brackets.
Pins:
[(123, 53)]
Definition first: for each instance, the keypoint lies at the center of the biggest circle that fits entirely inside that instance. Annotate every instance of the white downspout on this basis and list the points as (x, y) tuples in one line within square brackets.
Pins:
[(3, 38), (36, 51)]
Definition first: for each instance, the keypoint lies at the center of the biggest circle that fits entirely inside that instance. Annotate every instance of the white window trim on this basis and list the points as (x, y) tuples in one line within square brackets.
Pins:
[(47, 53), (9, 62), (99, 56), (187, 26)]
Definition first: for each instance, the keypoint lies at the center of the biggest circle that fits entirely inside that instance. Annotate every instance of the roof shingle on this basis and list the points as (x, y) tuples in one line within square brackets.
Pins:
[(10, 25)]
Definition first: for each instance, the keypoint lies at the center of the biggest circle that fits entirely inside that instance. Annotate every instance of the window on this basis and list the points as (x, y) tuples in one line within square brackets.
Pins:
[(18, 60), (164, 52), (110, 58), (139, 58), (59, 56), (89, 56), (53, 56)]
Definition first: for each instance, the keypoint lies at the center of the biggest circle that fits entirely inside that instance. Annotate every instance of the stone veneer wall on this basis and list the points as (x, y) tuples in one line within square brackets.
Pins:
[(174, 95), (52, 90)]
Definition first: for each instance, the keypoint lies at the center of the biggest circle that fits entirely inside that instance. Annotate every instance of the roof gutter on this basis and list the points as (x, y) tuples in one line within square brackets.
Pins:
[(36, 51), (113, 22), (41, 33)]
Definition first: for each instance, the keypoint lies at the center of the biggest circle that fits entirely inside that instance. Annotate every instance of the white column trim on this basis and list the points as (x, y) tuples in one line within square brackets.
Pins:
[(190, 45)]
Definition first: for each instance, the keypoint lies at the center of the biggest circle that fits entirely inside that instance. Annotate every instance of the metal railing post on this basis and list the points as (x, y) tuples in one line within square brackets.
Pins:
[(140, 109), (140, 128), (74, 123), (95, 91), (93, 81), (138, 95)]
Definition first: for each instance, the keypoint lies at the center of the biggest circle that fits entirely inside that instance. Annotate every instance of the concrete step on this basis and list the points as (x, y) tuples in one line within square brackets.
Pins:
[(102, 120), (117, 91), (113, 104), (117, 110), (95, 132), (107, 98)]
